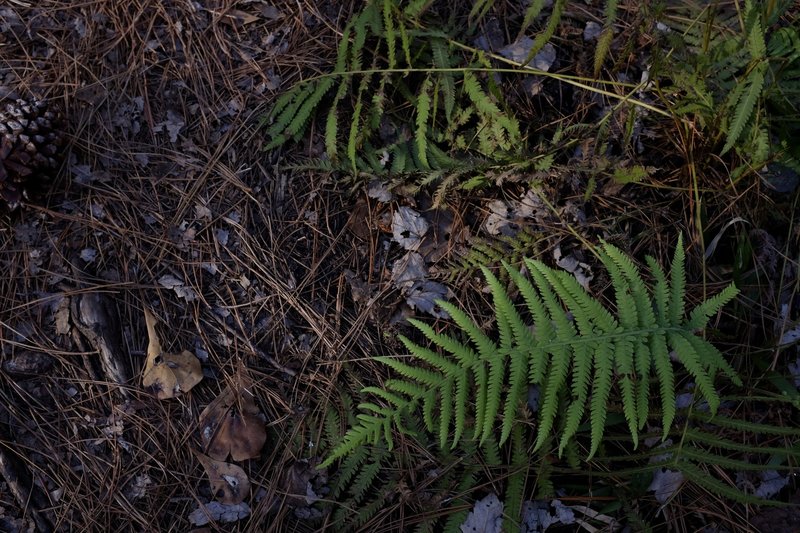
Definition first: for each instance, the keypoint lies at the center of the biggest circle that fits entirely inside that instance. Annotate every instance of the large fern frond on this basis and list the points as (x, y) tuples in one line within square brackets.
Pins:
[(575, 349)]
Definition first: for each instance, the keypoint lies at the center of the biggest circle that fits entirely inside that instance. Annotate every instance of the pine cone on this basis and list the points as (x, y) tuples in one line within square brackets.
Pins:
[(30, 148)]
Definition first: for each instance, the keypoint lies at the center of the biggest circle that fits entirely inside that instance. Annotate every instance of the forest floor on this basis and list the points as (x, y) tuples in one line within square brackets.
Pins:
[(282, 282)]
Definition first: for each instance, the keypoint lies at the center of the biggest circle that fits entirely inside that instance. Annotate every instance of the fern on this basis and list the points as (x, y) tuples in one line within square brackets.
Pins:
[(705, 455), (558, 355), (423, 112), (386, 37), (604, 42), (549, 30), (737, 77)]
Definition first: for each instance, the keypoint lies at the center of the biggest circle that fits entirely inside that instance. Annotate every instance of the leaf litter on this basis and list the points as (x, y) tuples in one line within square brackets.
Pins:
[(486, 516), (229, 483), (168, 375), (232, 424)]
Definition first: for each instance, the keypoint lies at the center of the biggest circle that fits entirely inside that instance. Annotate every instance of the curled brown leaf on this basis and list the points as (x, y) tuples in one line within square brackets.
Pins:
[(168, 375), (231, 425), (229, 482)]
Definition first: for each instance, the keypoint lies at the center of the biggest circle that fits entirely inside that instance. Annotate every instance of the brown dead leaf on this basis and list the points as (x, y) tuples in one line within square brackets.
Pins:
[(168, 375), (231, 424), (229, 483), (63, 326)]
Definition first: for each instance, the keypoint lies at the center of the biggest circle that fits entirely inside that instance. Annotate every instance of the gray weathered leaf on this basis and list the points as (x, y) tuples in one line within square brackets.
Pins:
[(771, 484), (592, 30), (486, 516), (379, 191), (665, 484), (169, 281), (497, 222), (538, 515), (408, 228), (520, 50), (423, 295), (570, 263), (408, 270), (219, 512)]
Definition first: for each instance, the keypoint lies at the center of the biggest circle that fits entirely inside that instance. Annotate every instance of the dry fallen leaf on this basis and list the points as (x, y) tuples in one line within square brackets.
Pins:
[(229, 483), (168, 375), (231, 424)]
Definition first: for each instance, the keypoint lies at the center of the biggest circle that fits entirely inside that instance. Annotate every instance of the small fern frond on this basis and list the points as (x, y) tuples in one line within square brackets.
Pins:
[(606, 38), (441, 60), (754, 84), (423, 109), (715, 486), (549, 31), (515, 486), (391, 36), (690, 360), (369, 430), (699, 316), (332, 123), (677, 294), (534, 8), (603, 376)]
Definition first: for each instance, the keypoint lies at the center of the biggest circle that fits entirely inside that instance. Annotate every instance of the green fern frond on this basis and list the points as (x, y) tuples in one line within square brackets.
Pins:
[(515, 486), (718, 488), (423, 109), (355, 124), (604, 42), (574, 357), (677, 284), (549, 31), (391, 36), (415, 8), (534, 8), (743, 111), (441, 60)]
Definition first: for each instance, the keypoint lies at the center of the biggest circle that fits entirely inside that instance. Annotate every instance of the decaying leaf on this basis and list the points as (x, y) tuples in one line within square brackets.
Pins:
[(486, 516), (231, 425), (218, 512), (539, 515), (297, 485), (229, 483), (408, 228), (168, 375)]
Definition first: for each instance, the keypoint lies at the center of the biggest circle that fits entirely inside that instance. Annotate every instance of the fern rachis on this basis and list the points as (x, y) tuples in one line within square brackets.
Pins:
[(575, 360)]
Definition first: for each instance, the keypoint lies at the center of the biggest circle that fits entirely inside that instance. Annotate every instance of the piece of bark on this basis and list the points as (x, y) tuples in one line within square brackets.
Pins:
[(95, 316)]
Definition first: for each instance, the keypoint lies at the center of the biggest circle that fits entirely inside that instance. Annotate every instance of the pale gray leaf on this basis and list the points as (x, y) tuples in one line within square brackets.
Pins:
[(538, 515), (772, 483), (665, 484), (379, 191), (408, 228), (219, 512), (408, 270), (168, 281), (497, 222), (89, 254), (422, 296), (592, 30), (486, 516), (521, 49)]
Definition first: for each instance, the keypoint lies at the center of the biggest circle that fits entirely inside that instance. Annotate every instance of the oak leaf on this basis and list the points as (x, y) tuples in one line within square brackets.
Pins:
[(231, 424), (168, 375), (229, 483)]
